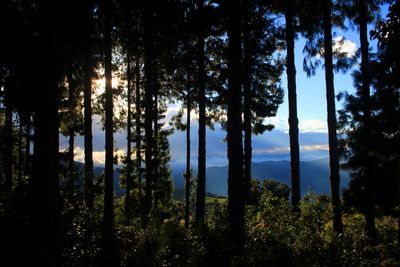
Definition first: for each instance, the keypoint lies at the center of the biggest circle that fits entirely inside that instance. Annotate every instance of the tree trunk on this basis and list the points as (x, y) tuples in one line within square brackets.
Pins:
[(71, 171), (247, 101), (331, 111), (138, 130), (235, 148), (44, 180), (20, 150), (71, 126), (128, 152), (156, 157), (27, 144), (148, 69), (201, 172), (108, 219), (88, 141), (8, 182), (365, 96), (293, 121), (188, 172)]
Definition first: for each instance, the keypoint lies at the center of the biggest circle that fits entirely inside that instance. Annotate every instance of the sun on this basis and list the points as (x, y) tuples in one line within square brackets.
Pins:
[(99, 84)]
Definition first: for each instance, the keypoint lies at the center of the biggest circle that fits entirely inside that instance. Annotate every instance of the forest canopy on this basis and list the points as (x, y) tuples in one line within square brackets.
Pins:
[(220, 63)]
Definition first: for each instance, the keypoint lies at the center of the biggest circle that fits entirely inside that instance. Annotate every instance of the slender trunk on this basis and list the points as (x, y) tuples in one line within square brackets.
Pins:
[(188, 172), (71, 127), (148, 69), (156, 157), (235, 148), (8, 182), (88, 141), (138, 130), (201, 172), (293, 121), (20, 150), (44, 182), (331, 111), (247, 101), (27, 143), (108, 219), (128, 152), (365, 96), (71, 171)]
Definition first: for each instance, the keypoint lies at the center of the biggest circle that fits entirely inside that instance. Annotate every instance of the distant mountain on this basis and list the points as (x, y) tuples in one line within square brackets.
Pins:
[(314, 175)]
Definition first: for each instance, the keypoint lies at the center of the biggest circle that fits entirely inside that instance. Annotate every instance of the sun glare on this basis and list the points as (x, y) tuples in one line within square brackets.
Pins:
[(100, 84)]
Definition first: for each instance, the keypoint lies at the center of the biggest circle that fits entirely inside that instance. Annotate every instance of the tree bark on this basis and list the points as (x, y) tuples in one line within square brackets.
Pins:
[(71, 126), (27, 143), (365, 96), (332, 124), (8, 181), (138, 138), (88, 139), (129, 139), (148, 69), (188, 172), (44, 182), (20, 150), (201, 172), (108, 219), (247, 101), (292, 97), (235, 148)]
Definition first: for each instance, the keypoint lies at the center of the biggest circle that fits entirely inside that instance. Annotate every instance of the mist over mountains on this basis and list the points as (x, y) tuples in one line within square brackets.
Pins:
[(314, 175)]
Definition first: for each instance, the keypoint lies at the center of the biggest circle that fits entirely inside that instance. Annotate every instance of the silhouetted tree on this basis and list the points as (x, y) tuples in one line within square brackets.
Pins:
[(292, 98), (235, 148), (332, 124)]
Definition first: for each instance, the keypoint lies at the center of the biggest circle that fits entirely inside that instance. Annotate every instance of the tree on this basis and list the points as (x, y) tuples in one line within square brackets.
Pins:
[(88, 74), (149, 83), (201, 165), (129, 140), (45, 162), (368, 145), (332, 124), (293, 121), (235, 148), (108, 214)]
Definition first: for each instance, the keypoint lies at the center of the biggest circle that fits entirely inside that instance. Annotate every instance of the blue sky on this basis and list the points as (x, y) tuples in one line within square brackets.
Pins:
[(272, 145)]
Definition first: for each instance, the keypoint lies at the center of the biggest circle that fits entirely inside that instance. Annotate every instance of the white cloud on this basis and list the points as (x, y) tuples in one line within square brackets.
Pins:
[(344, 46), (98, 156), (314, 147), (313, 125)]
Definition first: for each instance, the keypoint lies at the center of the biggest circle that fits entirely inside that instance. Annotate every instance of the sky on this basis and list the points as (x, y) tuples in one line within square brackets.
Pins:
[(272, 145)]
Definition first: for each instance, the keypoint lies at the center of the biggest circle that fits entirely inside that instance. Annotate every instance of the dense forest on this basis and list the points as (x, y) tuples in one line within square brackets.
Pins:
[(222, 62)]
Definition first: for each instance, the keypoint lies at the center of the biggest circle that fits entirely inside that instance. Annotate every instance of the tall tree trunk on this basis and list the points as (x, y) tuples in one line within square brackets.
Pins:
[(235, 148), (331, 111), (44, 180), (293, 121), (156, 157), (365, 96), (27, 144), (138, 137), (201, 172), (71, 142), (148, 69), (129, 139), (247, 100), (188, 172), (71, 170), (8, 182), (20, 150), (88, 141), (108, 219)]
